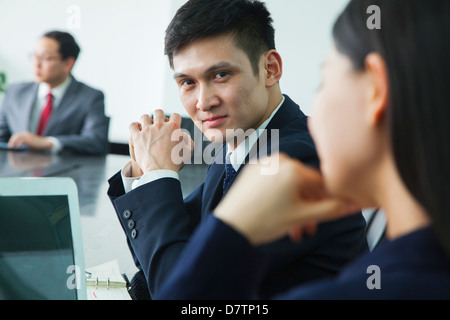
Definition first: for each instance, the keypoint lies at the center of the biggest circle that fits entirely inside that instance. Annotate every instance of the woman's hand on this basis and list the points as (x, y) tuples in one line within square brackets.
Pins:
[(266, 207)]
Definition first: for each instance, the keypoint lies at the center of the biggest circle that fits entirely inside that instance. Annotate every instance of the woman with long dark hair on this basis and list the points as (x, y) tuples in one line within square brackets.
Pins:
[(381, 123)]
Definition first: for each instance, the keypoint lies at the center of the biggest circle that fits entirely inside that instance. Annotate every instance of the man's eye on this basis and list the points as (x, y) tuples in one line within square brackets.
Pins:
[(221, 75), (186, 83)]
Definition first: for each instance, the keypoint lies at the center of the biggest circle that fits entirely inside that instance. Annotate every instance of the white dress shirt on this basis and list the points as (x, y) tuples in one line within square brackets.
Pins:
[(236, 156), (41, 100)]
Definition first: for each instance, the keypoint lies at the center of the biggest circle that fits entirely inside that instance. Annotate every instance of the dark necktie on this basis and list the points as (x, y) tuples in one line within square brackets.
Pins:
[(230, 174), (45, 116)]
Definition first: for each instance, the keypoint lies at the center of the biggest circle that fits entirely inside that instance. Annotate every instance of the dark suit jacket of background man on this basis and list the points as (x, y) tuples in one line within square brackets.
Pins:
[(158, 223), (79, 122)]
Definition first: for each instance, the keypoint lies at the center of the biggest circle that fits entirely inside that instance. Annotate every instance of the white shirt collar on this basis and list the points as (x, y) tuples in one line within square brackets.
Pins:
[(57, 92), (238, 155)]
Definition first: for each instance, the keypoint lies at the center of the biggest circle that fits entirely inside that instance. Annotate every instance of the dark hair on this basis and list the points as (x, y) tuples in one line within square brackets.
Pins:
[(248, 21), (413, 41), (67, 44)]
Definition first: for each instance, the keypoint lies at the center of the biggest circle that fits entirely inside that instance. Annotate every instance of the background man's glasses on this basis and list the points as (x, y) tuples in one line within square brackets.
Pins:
[(44, 59)]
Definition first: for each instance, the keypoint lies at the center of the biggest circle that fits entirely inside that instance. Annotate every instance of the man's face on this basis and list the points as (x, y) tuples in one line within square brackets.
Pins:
[(218, 87), (48, 65)]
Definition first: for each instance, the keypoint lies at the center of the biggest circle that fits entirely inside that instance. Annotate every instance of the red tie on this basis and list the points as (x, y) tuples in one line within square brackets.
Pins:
[(45, 114)]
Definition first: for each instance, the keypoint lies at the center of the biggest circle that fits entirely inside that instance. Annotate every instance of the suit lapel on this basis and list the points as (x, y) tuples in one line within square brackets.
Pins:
[(29, 103), (288, 112)]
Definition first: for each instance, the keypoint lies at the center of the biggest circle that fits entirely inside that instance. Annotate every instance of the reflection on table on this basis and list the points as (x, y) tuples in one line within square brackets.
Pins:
[(102, 233)]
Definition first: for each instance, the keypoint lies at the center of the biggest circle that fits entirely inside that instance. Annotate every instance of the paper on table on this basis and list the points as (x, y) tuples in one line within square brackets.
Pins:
[(105, 282)]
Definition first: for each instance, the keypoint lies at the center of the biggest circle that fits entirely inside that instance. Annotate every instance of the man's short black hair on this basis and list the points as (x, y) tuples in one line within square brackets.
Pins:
[(67, 44), (248, 21)]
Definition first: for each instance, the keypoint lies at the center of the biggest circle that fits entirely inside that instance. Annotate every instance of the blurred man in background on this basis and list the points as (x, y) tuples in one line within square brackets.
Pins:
[(56, 112)]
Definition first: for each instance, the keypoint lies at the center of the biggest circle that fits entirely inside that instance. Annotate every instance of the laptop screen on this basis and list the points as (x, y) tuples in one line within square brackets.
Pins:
[(37, 256)]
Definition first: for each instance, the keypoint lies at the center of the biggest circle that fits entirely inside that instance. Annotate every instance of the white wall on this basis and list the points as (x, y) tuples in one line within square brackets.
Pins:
[(123, 55), (303, 38)]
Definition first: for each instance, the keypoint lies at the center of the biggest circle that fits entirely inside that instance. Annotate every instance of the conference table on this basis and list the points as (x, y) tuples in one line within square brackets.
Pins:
[(103, 237)]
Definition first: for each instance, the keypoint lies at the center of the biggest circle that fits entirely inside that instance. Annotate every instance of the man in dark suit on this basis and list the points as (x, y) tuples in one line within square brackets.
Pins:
[(56, 112), (228, 71)]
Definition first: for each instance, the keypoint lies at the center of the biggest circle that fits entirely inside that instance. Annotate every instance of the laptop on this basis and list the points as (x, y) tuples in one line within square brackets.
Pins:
[(41, 249)]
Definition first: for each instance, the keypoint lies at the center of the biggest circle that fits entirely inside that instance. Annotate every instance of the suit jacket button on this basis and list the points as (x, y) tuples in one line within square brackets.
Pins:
[(131, 224), (126, 214), (133, 233)]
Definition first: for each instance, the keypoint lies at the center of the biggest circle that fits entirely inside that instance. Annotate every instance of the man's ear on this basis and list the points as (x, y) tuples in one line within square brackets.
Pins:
[(379, 82), (273, 65), (69, 62)]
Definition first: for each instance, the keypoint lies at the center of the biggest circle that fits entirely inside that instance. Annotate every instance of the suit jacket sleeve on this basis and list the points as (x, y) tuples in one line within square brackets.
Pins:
[(93, 135), (158, 223), (218, 264)]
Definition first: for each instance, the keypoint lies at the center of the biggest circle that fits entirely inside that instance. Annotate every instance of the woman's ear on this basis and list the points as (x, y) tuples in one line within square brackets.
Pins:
[(273, 65), (379, 82)]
